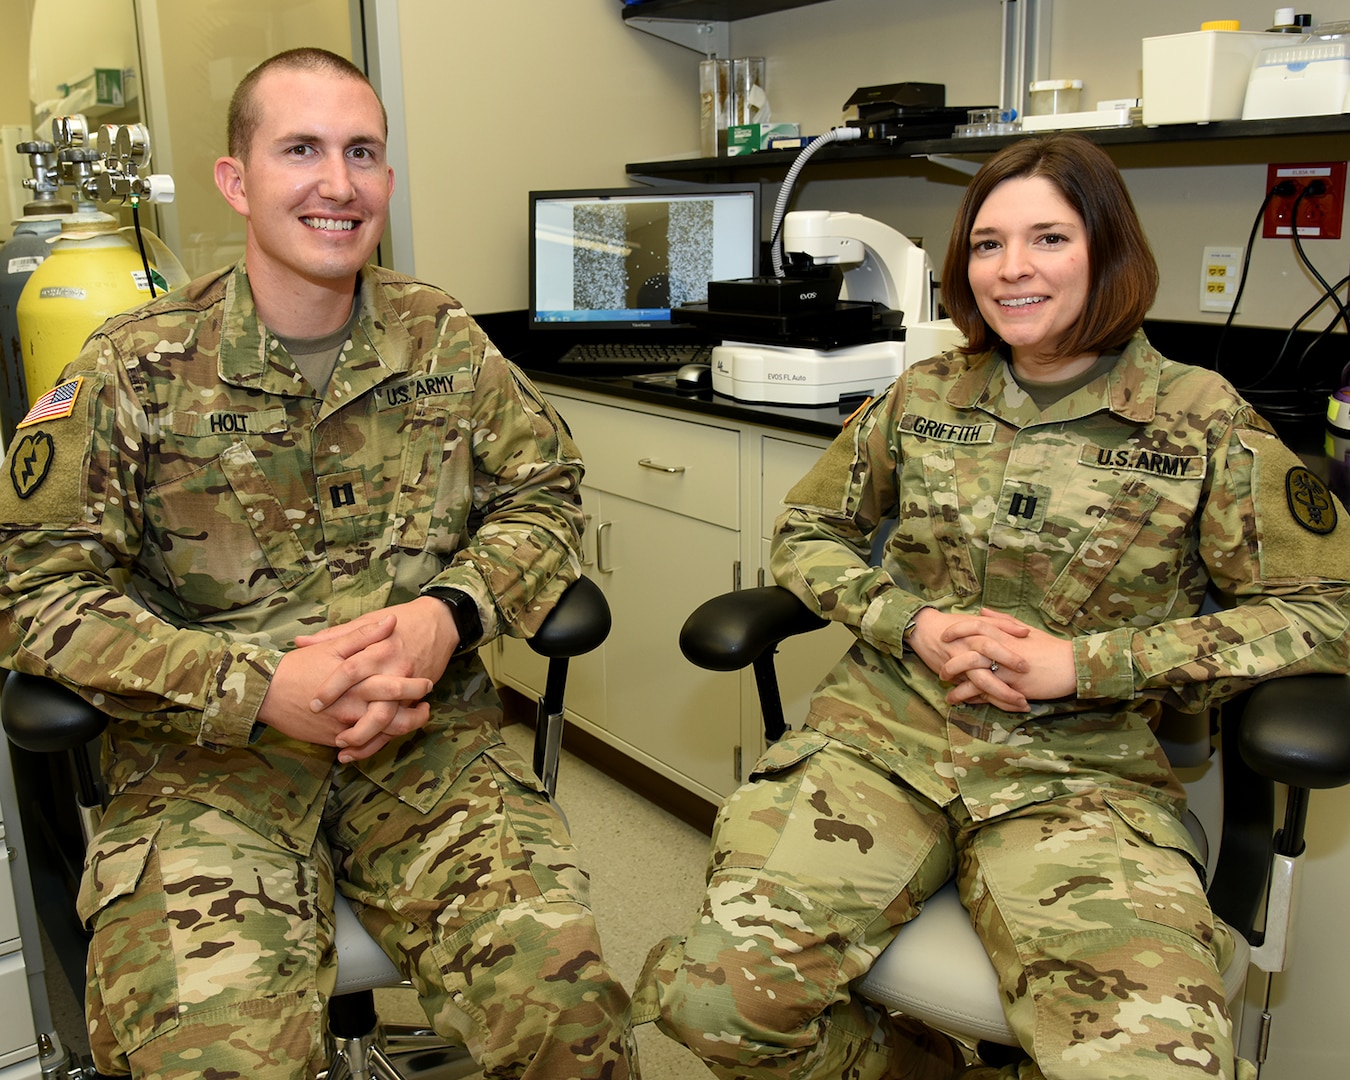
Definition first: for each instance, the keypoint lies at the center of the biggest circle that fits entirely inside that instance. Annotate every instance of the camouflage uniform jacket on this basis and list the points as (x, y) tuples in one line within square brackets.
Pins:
[(201, 506), (1104, 520)]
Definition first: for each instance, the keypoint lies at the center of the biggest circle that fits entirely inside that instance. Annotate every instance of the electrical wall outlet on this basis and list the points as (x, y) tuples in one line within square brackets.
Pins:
[(1319, 216), (1219, 273)]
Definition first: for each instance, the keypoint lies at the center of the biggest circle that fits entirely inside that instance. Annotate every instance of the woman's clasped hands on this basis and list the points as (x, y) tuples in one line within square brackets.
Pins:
[(993, 658)]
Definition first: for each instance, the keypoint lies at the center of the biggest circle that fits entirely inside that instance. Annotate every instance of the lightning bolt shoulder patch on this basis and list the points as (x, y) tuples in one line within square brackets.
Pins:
[(52, 457), (30, 462)]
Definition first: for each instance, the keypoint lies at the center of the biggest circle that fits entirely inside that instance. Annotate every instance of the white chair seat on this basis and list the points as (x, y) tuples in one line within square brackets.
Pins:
[(936, 970), (361, 964)]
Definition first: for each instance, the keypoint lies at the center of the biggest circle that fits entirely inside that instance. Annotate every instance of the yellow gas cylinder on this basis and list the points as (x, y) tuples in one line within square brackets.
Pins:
[(93, 271)]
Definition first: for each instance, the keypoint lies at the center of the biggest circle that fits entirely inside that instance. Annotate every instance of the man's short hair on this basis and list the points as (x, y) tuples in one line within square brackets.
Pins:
[(246, 113)]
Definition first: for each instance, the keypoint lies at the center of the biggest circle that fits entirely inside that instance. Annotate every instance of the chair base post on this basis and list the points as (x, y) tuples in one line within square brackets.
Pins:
[(360, 1058), (397, 1052)]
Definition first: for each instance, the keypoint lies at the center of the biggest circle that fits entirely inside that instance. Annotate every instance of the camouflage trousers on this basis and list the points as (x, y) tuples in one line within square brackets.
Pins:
[(213, 955), (1107, 954)]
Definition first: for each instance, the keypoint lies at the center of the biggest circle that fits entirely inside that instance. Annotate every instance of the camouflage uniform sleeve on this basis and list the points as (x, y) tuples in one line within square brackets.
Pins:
[(70, 503), (527, 498), (1272, 539), (823, 540)]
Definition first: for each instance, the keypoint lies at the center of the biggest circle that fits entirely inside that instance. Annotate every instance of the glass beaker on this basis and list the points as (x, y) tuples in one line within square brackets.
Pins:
[(714, 105), (749, 102)]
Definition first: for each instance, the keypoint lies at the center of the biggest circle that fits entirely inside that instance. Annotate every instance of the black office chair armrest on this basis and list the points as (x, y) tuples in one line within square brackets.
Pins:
[(1297, 730), (733, 630), (578, 623), (744, 628), (43, 716)]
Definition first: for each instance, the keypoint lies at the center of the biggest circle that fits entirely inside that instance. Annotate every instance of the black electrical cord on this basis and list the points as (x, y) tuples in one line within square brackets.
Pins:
[(1321, 187), (140, 243), (1329, 292), (1289, 335), (1298, 403), (1284, 187)]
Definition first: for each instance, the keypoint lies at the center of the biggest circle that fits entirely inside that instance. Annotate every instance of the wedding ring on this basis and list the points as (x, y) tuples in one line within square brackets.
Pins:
[(993, 665)]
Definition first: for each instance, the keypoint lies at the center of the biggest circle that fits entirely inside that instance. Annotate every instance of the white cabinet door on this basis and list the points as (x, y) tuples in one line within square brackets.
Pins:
[(662, 499), (655, 568)]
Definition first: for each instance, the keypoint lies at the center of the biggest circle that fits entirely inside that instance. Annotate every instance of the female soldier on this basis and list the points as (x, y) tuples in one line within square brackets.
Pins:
[(1065, 496)]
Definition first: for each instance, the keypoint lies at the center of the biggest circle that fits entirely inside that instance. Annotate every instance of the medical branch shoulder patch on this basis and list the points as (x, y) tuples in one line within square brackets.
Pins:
[(1309, 500), (30, 462), (56, 404)]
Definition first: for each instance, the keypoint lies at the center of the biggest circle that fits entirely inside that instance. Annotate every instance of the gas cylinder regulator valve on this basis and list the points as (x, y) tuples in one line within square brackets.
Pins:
[(108, 165)]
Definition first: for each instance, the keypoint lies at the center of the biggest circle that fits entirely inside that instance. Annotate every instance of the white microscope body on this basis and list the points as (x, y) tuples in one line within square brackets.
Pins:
[(882, 266)]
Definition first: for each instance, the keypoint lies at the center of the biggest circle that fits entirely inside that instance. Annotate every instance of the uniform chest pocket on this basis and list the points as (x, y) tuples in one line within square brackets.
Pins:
[(929, 530), (435, 490), (1128, 569), (224, 535)]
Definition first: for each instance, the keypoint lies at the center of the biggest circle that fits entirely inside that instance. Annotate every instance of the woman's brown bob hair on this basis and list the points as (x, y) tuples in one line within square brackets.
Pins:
[(1124, 275)]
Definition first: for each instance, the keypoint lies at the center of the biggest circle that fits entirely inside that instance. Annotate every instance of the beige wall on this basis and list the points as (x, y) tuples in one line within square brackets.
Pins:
[(14, 18), (500, 99)]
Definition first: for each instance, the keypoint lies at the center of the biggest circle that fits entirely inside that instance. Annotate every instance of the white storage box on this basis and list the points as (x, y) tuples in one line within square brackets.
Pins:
[(1198, 77), (1308, 79)]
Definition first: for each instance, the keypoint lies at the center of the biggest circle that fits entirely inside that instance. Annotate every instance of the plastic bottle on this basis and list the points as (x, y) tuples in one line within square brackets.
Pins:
[(1286, 22)]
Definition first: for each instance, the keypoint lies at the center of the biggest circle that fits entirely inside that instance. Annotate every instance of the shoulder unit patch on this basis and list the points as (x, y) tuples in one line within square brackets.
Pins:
[(30, 462), (1310, 501)]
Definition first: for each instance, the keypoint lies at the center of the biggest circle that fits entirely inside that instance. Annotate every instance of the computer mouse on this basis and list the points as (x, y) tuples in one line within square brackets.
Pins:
[(694, 377)]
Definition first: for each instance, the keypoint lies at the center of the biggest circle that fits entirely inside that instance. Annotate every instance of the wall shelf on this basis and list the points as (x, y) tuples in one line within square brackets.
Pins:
[(700, 25), (768, 164), (710, 10)]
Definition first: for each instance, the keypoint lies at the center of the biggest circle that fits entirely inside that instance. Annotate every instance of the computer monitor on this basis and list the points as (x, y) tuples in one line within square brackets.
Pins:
[(620, 259)]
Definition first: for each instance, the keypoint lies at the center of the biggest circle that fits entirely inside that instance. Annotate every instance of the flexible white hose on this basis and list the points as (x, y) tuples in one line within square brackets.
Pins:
[(839, 134)]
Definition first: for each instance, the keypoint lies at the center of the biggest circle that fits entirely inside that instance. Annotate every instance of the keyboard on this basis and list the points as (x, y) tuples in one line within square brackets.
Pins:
[(635, 355)]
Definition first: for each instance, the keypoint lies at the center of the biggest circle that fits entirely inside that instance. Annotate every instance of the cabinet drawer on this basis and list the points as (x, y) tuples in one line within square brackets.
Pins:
[(688, 468), (784, 464), (16, 1019), (9, 915)]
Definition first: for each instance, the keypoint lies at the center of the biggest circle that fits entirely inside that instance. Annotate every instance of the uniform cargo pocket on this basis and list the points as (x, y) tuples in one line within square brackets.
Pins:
[(113, 866), (788, 751), (1162, 868), (122, 900)]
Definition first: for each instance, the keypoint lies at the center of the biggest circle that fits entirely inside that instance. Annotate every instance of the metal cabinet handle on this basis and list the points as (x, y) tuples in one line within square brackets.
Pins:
[(601, 563), (648, 463)]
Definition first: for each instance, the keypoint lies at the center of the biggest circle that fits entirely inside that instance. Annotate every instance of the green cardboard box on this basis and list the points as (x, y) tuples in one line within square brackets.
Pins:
[(746, 138), (108, 87)]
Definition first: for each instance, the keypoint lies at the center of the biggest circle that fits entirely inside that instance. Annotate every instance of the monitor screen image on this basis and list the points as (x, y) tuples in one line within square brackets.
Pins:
[(623, 258)]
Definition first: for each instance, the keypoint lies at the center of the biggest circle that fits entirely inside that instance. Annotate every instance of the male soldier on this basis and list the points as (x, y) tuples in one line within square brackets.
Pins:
[(264, 525)]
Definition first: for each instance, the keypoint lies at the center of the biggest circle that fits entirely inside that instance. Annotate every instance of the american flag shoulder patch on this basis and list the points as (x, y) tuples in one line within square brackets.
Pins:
[(56, 404)]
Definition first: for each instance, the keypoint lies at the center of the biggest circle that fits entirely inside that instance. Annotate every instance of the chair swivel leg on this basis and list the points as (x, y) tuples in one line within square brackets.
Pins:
[(355, 1031), (364, 1049)]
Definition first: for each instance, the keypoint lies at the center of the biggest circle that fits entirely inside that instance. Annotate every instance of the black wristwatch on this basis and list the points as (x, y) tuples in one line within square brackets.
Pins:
[(464, 610)]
